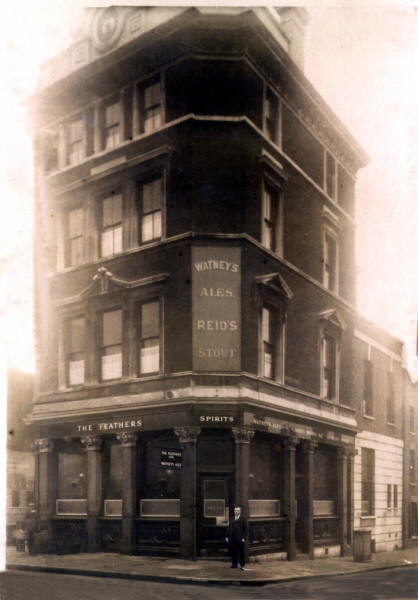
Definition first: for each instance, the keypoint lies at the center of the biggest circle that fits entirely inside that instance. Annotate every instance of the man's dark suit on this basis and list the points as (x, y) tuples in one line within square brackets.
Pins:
[(237, 531)]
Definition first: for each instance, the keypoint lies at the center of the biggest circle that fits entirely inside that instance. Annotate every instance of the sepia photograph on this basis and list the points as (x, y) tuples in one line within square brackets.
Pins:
[(209, 300)]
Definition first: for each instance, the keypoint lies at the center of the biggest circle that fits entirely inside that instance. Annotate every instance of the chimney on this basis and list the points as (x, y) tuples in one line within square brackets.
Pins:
[(293, 20)]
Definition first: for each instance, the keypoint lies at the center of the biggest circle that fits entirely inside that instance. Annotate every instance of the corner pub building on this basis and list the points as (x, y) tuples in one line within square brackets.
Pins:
[(195, 287)]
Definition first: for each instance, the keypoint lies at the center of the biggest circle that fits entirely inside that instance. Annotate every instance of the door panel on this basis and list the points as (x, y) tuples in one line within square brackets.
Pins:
[(213, 513)]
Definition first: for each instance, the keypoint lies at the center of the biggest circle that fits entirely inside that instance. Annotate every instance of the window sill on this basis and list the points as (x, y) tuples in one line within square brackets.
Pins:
[(369, 417), (367, 517), (390, 424)]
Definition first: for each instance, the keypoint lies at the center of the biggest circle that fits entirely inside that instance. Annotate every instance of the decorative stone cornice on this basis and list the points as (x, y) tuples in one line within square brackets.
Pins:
[(187, 435), (242, 435), (127, 439), (92, 443), (43, 445)]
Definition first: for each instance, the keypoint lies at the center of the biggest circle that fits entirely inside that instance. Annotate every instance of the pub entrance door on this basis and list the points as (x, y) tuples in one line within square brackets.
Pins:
[(213, 513)]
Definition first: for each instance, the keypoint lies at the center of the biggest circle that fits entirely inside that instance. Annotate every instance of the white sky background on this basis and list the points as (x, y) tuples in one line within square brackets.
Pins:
[(363, 61)]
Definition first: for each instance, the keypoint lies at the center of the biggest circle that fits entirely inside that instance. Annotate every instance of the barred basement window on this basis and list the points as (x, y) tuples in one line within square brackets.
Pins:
[(111, 345)]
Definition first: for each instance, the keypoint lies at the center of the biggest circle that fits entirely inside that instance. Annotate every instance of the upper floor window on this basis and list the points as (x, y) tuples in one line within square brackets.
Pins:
[(74, 249), (330, 176), (151, 205), (111, 225), (111, 125), (412, 466), (329, 367), (75, 134), (271, 116), (111, 345), (367, 481), (330, 260), (149, 337), (151, 113), (390, 402), (269, 338), (368, 388), (76, 351), (271, 225)]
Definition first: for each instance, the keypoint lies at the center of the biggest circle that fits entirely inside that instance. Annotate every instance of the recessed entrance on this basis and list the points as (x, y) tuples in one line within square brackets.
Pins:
[(214, 506)]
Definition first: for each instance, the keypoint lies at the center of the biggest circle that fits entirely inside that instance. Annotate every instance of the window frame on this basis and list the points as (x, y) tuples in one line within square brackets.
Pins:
[(69, 143), (331, 325), (147, 178), (68, 353), (272, 124), (368, 463), (368, 396), (330, 233), (111, 101), (100, 346), (141, 108), (269, 222), (140, 302), (390, 400), (67, 242), (101, 229), (330, 178)]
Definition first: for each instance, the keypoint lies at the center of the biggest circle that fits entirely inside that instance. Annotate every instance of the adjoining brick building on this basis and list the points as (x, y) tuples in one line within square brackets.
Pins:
[(195, 285)]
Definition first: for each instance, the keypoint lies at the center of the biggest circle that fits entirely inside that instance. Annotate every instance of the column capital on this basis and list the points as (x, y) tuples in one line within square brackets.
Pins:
[(187, 435), (92, 443), (351, 451), (290, 443), (127, 439), (43, 445), (309, 446), (242, 435)]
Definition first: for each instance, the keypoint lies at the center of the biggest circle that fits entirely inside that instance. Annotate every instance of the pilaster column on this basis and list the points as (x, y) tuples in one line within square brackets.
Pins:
[(46, 477), (308, 450), (290, 495), (93, 447), (242, 437), (342, 489), (129, 485), (188, 438)]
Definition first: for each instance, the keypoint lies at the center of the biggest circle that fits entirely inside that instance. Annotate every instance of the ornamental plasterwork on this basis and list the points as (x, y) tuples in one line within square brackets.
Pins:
[(187, 435), (92, 442), (242, 435), (127, 439), (43, 445)]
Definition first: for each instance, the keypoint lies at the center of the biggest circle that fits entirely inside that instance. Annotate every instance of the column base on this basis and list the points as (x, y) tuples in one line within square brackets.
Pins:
[(128, 543), (93, 534)]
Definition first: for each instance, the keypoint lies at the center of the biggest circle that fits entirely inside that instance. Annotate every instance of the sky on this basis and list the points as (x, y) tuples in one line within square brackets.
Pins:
[(362, 58)]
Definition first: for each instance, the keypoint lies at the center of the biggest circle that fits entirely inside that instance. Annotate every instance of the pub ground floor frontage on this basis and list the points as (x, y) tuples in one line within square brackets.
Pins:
[(165, 481)]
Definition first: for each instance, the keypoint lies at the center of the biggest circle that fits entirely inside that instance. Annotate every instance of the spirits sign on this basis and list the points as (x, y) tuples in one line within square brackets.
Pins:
[(216, 287)]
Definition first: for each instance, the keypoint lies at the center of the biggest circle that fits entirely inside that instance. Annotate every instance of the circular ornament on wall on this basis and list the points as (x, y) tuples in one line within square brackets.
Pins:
[(107, 27)]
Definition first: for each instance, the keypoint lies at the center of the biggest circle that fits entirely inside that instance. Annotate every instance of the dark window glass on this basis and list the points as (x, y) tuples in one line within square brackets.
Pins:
[(330, 262), (367, 481), (151, 210), (271, 115), (329, 367), (149, 343), (111, 225), (74, 251), (270, 232)]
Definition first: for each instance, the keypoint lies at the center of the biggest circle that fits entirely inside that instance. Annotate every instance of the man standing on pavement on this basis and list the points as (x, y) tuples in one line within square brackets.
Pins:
[(237, 536)]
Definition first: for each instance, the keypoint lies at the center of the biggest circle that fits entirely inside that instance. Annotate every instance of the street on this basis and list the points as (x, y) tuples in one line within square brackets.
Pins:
[(389, 584)]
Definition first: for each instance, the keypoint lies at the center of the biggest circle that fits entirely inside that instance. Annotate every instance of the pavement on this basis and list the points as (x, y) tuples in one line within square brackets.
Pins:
[(261, 570)]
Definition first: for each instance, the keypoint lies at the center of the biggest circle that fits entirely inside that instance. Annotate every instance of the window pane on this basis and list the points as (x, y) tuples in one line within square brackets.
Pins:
[(112, 328), (76, 372), (150, 356), (151, 196), (268, 364), (112, 366), (72, 471), (112, 210), (150, 319), (75, 222), (152, 95), (112, 114), (266, 324), (147, 230), (77, 335)]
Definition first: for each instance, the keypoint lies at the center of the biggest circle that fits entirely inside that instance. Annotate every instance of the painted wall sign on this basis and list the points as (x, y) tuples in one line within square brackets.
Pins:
[(216, 294), (109, 426), (171, 459)]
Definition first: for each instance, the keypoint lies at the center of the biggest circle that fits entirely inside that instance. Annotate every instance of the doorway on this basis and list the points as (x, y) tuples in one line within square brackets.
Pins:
[(213, 513)]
